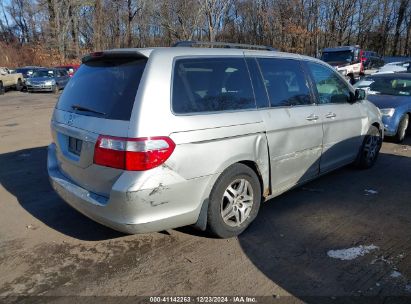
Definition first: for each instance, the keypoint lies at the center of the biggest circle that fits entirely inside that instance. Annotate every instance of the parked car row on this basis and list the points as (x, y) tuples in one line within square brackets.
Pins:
[(389, 87), (351, 61), (36, 78)]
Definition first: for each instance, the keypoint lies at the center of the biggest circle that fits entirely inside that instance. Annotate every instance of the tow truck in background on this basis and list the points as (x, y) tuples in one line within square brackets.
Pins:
[(347, 60)]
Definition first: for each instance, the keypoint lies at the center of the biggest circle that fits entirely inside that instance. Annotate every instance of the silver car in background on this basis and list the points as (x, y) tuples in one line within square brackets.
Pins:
[(151, 139)]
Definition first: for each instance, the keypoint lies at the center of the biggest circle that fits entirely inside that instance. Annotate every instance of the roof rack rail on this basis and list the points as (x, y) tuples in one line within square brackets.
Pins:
[(189, 43)]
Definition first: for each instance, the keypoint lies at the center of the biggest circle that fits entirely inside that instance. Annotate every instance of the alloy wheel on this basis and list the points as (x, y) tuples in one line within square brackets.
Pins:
[(371, 147), (237, 202)]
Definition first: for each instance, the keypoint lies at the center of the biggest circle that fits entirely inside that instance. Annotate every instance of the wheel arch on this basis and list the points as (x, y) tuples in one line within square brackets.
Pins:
[(265, 191), (377, 124)]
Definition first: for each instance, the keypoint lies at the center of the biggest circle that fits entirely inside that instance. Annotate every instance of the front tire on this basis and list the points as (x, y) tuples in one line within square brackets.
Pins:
[(19, 85), (2, 90), (370, 149), (234, 201), (402, 129)]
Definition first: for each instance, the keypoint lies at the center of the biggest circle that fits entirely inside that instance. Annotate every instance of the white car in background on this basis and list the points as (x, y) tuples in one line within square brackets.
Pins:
[(395, 67)]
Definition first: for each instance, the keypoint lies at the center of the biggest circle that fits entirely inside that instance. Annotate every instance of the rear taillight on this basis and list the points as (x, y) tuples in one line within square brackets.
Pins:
[(134, 154)]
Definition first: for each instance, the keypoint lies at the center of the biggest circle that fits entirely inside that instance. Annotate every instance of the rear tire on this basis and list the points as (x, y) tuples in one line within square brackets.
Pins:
[(370, 149), (2, 90), (402, 129), (234, 201)]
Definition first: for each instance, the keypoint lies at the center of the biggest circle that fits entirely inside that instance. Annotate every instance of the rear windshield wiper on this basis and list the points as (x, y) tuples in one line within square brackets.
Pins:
[(85, 109)]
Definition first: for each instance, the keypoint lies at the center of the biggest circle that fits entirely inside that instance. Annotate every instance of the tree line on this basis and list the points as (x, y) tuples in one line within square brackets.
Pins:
[(65, 29)]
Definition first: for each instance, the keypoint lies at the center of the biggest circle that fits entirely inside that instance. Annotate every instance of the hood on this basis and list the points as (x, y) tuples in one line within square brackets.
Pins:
[(39, 79), (389, 101), (392, 68)]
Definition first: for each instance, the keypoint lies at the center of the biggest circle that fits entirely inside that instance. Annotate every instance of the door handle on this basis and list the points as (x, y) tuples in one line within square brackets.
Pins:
[(312, 117), (331, 115)]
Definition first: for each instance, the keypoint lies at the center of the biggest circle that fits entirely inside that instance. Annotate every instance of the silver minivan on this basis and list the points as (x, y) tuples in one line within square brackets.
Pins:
[(151, 139)]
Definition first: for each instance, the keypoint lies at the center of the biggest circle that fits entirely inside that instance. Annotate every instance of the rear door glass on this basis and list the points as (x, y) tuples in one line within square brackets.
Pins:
[(211, 85), (107, 87), (285, 82)]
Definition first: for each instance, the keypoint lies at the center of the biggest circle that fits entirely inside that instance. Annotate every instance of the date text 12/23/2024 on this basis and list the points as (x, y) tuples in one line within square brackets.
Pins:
[(203, 299)]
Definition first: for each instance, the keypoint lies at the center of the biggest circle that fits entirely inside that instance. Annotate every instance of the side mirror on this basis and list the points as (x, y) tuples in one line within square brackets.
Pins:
[(359, 94)]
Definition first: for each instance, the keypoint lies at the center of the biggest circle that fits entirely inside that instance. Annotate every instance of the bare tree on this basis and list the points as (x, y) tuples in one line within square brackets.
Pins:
[(215, 10), (66, 29), (401, 12)]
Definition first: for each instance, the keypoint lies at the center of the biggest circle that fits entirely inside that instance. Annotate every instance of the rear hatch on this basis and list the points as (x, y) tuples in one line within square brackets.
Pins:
[(98, 100)]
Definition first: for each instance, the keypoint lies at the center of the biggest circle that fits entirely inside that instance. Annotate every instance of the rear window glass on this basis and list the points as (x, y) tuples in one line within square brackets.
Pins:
[(106, 88), (211, 85)]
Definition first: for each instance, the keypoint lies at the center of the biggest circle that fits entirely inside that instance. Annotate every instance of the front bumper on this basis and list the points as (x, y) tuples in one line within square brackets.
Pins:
[(170, 205), (39, 88)]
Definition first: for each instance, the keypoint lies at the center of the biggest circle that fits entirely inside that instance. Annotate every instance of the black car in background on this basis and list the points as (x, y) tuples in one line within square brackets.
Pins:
[(372, 60)]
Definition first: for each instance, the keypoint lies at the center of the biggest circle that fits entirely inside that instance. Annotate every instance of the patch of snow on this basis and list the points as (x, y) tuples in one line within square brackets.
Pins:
[(370, 192), (351, 253), (395, 274)]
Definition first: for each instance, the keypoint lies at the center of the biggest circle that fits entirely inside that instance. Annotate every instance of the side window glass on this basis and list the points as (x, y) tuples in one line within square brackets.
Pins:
[(285, 82), (260, 91), (330, 87), (210, 85)]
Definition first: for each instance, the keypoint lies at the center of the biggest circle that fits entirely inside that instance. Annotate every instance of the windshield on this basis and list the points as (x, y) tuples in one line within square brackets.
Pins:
[(387, 85), (342, 56), (43, 74)]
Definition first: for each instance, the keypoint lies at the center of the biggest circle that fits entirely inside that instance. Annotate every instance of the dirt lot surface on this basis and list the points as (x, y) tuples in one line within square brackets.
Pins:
[(49, 249)]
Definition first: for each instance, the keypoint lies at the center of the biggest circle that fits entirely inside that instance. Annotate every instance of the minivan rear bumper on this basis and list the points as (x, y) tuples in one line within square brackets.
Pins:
[(155, 209)]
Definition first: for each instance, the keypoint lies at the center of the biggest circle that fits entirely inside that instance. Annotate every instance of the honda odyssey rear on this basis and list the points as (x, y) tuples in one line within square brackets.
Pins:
[(103, 163)]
